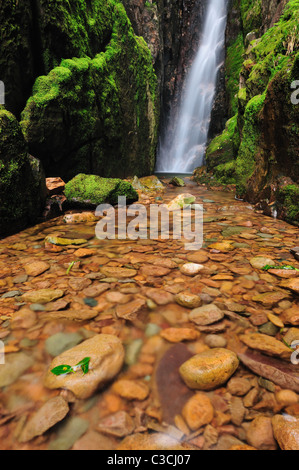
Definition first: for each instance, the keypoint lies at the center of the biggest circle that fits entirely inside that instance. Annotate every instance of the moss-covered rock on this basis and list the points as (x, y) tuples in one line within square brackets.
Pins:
[(22, 186), (97, 115), (288, 203), (36, 35), (94, 190), (224, 147), (177, 181)]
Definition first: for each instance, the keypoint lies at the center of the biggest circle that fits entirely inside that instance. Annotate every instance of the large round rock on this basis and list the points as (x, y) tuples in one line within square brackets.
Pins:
[(209, 369), (107, 357)]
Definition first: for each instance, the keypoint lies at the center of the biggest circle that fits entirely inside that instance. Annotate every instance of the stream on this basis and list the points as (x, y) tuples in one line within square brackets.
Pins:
[(54, 298)]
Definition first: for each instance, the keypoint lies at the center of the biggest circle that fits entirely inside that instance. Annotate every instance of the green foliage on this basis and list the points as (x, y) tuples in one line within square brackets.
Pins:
[(98, 115), (99, 190), (223, 148), (226, 173), (288, 199), (233, 65), (286, 267), (270, 65), (66, 370)]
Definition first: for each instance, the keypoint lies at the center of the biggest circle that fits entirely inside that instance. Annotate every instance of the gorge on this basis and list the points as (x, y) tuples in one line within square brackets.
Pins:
[(149, 215)]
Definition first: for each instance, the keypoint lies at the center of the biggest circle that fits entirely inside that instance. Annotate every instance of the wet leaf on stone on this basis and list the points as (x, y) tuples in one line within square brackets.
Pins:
[(84, 364), (62, 370)]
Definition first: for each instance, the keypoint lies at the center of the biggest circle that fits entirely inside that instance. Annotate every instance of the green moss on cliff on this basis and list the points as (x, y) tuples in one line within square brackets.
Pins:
[(288, 201), (36, 35), (251, 14), (223, 148), (234, 63), (266, 120)]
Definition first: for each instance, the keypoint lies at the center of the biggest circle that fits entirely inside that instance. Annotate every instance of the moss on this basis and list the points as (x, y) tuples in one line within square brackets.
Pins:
[(251, 14), (96, 190), (233, 65), (97, 115), (268, 136), (245, 163), (226, 173), (224, 147), (36, 35), (288, 201)]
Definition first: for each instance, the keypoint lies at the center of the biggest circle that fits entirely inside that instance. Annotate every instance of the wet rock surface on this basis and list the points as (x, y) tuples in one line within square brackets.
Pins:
[(130, 307)]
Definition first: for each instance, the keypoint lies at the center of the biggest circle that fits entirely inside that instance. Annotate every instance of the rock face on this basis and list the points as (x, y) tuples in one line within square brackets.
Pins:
[(257, 149), (107, 356), (209, 369), (97, 111), (51, 413), (172, 32), (22, 187)]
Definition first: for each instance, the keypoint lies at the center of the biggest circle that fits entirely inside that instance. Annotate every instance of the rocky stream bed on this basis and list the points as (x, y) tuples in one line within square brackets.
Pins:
[(181, 356)]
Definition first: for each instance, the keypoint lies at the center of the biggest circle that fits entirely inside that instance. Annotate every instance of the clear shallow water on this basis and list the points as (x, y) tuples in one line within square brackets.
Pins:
[(184, 150)]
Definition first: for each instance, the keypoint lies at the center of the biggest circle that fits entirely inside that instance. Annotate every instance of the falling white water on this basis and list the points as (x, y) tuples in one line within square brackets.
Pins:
[(184, 150)]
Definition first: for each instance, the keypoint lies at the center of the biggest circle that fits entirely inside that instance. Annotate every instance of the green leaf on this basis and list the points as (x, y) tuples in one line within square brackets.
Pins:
[(84, 364), (70, 267), (288, 267), (62, 370)]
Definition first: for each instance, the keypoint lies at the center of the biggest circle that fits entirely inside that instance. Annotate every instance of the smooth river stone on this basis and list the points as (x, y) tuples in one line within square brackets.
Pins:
[(206, 315), (15, 366), (118, 273), (267, 345), (51, 413), (107, 356), (185, 299), (42, 296), (36, 268), (286, 431), (209, 369), (191, 269)]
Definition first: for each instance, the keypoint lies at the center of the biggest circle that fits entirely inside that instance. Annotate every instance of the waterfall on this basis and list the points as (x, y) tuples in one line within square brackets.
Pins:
[(184, 150)]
